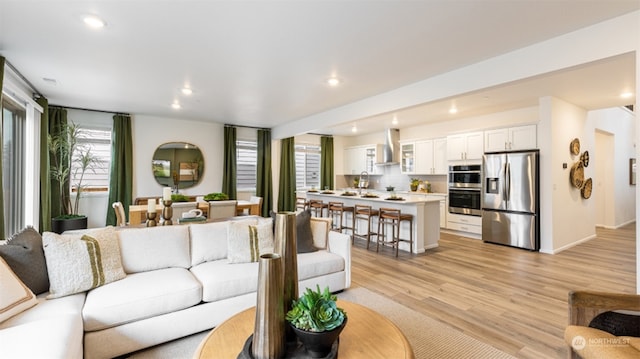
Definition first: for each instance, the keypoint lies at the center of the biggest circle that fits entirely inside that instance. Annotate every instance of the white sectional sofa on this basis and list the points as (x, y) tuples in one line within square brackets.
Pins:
[(178, 282)]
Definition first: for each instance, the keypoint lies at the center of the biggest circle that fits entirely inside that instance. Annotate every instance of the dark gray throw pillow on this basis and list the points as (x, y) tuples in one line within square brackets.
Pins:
[(24, 254), (618, 324), (304, 237)]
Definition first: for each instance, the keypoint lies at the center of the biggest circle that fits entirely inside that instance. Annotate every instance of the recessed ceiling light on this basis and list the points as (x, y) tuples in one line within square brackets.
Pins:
[(626, 94), (395, 120), (333, 81), (186, 91), (453, 110), (175, 106), (354, 128), (94, 21)]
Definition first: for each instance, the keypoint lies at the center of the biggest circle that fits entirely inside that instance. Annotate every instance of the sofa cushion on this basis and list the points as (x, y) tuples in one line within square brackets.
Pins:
[(146, 249), (79, 262), (619, 324), (319, 263), (246, 242), (208, 242), (320, 228), (304, 234), (23, 252), (140, 295), (595, 343), (15, 296), (221, 280)]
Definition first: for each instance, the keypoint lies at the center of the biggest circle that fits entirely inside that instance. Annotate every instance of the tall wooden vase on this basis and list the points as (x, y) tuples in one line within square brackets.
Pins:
[(285, 246), (269, 330)]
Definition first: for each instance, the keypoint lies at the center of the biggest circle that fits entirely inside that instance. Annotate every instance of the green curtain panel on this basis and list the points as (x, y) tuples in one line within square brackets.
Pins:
[(57, 120), (121, 173), (287, 186), (45, 183), (1, 154), (326, 162), (229, 170), (264, 182)]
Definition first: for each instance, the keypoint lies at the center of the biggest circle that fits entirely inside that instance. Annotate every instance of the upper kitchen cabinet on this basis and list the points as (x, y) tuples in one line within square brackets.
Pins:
[(408, 157), (511, 139), (431, 157), (362, 158), (465, 147)]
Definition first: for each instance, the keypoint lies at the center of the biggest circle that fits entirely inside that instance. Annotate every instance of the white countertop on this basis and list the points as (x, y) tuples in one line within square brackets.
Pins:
[(408, 197)]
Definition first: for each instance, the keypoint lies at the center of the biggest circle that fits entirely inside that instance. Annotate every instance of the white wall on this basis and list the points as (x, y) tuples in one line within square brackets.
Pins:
[(149, 132), (618, 123)]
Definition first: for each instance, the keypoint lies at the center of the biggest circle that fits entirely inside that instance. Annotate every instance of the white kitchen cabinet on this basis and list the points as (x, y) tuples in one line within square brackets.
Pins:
[(431, 157), (362, 158), (443, 209), (407, 157), (511, 139), (464, 223), (465, 147)]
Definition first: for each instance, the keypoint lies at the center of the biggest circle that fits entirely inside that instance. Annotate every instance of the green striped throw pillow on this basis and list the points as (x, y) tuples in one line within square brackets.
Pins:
[(246, 242)]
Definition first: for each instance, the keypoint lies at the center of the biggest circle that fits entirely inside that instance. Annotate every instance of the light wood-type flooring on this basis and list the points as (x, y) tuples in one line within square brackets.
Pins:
[(512, 299)]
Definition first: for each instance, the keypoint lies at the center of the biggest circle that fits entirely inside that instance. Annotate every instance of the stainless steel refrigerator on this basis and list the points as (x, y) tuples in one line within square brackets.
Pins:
[(510, 200)]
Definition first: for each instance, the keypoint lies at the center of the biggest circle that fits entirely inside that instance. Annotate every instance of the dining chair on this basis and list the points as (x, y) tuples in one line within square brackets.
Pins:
[(252, 200), (120, 216), (223, 209), (182, 207)]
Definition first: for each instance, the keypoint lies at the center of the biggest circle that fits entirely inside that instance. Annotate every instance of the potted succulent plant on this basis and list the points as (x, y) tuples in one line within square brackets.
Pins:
[(317, 321), (70, 161)]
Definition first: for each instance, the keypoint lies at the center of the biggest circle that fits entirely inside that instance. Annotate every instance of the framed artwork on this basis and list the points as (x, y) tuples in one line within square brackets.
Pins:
[(188, 171), (632, 171), (161, 168)]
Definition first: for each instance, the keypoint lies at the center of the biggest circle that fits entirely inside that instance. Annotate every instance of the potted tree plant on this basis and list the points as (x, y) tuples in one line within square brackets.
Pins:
[(70, 161), (317, 321)]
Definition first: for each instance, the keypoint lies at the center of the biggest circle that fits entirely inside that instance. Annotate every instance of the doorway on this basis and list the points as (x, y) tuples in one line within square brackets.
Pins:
[(604, 191)]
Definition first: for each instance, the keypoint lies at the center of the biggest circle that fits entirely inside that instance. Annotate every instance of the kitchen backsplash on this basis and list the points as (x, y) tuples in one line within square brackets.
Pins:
[(393, 177)]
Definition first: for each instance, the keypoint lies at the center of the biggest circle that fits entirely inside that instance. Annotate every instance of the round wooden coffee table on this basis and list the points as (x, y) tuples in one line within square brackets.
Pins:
[(367, 335)]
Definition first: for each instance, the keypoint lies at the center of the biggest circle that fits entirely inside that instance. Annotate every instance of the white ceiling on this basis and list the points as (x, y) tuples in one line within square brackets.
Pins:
[(264, 63)]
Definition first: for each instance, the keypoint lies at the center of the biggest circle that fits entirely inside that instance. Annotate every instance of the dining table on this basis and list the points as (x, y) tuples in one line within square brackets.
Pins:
[(138, 213)]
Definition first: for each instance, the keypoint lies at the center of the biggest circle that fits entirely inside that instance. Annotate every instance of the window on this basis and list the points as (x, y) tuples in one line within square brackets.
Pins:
[(13, 165), (98, 142), (307, 166), (246, 166)]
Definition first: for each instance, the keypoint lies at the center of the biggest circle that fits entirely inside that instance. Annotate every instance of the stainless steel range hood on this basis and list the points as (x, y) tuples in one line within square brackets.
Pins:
[(391, 148)]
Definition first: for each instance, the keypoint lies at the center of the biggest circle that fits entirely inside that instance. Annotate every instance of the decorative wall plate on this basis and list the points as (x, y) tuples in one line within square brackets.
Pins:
[(586, 189), (584, 158), (577, 175), (574, 146)]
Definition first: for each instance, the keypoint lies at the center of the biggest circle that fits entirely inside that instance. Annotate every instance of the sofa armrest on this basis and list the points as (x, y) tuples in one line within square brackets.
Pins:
[(340, 244), (584, 305)]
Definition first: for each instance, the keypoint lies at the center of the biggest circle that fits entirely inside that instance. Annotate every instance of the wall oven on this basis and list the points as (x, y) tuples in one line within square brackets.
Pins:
[(465, 184)]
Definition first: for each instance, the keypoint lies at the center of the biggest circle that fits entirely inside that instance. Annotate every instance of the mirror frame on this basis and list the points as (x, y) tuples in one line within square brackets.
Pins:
[(175, 163)]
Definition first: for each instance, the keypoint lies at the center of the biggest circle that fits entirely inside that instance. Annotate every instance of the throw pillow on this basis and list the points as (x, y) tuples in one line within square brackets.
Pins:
[(16, 296), (246, 242), (304, 236), (618, 324), (79, 262), (23, 253)]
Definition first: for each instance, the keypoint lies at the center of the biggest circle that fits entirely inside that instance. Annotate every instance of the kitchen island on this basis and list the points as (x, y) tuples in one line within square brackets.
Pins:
[(425, 211)]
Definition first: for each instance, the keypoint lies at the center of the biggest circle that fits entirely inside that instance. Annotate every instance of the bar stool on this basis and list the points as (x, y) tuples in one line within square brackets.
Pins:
[(338, 210), (317, 207), (301, 203), (362, 212), (393, 217)]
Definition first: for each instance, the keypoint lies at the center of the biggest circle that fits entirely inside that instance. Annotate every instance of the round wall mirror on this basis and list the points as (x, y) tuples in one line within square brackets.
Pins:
[(177, 164)]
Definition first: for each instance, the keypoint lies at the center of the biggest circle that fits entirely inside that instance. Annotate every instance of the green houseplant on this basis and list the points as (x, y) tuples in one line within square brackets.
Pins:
[(216, 196), (414, 182), (70, 161), (317, 321)]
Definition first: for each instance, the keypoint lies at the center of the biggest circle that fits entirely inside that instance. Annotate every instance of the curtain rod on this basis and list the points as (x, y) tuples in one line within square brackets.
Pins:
[(15, 70), (257, 128), (88, 109)]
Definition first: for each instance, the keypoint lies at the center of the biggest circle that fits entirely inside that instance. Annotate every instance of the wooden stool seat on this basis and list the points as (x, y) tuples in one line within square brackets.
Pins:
[(337, 211), (393, 217), (366, 213), (317, 207)]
